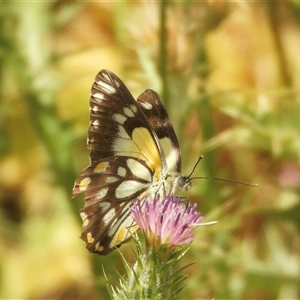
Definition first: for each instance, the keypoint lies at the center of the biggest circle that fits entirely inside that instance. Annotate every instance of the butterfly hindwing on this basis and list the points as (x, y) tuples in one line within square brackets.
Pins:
[(110, 186)]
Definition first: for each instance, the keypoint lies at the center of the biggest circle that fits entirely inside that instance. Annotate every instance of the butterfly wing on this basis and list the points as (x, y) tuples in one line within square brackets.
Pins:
[(118, 127), (155, 111), (127, 143), (110, 186)]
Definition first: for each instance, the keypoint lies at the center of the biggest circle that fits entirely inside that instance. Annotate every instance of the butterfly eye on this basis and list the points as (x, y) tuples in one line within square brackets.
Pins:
[(184, 182)]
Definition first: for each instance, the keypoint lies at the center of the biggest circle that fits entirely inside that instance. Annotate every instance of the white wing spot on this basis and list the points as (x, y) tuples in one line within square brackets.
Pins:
[(138, 169), (126, 207), (84, 218), (109, 89), (102, 193), (95, 123), (104, 205), (117, 83), (98, 96), (105, 76), (89, 141), (122, 134), (133, 108), (128, 188), (121, 171), (119, 118), (146, 105), (94, 108), (111, 179), (109, 216), (172, 154), (128, 112)]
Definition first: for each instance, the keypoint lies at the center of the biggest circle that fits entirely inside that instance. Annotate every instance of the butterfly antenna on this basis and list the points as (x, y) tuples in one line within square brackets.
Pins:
[(220, 179), (227, 180), (196, 164)]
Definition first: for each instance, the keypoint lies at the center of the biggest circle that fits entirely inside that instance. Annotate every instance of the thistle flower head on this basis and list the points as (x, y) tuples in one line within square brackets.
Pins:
[(166, 222)]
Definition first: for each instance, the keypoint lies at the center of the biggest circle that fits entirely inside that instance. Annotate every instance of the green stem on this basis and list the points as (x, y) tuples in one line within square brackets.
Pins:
[(163, 53)]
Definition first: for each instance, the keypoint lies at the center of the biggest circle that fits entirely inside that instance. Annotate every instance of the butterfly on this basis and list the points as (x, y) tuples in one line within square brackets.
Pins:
[(134, 154)]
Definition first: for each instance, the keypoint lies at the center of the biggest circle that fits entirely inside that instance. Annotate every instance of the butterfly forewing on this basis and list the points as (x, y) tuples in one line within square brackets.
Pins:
[(156, 113), (134, 154), (117, 125)]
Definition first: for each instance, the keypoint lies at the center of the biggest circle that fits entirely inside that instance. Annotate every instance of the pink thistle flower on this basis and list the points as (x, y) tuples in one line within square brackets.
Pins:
[(166, 222)]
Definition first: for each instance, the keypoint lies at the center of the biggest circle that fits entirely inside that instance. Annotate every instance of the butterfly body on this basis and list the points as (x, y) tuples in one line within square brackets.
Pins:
[(134, 154)]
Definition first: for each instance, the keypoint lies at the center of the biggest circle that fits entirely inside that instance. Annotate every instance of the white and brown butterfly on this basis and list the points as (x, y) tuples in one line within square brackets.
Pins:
[(134, 155)]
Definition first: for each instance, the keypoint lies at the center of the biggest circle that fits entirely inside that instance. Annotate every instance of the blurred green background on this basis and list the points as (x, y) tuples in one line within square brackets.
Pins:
[(229, 74)]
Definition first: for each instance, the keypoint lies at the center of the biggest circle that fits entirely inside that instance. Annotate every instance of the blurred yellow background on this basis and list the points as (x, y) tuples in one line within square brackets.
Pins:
[(229, 73)]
